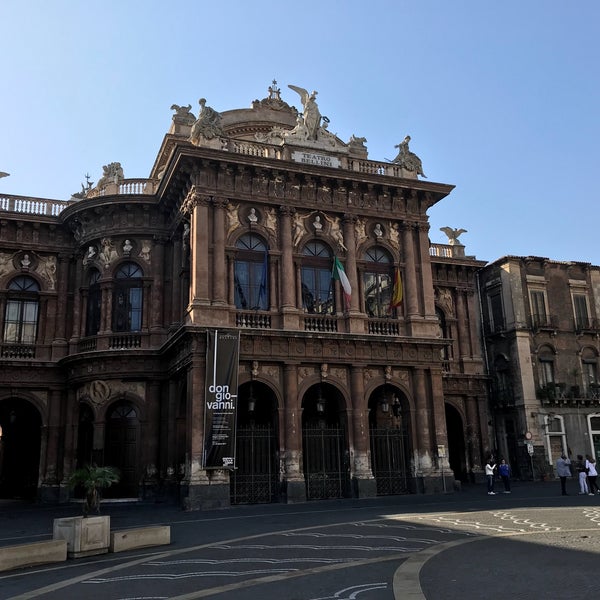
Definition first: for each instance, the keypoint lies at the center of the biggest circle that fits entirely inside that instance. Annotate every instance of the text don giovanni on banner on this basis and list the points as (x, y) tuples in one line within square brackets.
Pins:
[(222, 356)]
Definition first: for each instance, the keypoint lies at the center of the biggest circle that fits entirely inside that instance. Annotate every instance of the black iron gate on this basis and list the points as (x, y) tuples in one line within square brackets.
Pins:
[(256, 477), (390, 461), (326, 463)]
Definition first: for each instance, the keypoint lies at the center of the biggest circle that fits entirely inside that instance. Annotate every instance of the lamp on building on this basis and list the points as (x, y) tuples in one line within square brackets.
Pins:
[(396, 406), (251, 401), (320, 402)]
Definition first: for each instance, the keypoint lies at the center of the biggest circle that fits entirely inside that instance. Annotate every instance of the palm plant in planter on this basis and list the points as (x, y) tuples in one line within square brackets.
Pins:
[(92, 479)]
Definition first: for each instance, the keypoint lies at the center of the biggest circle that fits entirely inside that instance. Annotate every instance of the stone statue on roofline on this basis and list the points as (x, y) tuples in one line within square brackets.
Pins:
[(207, 125), (112, 173), (311, 116), (407, 159), (453, 235), (182, 114)]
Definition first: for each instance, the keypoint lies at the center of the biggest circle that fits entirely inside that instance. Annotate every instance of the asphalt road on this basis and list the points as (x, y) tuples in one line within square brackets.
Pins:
[(532, 543)]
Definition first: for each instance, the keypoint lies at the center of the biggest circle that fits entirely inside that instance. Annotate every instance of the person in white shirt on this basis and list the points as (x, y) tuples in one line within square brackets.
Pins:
[(489, 473), (592, 474)]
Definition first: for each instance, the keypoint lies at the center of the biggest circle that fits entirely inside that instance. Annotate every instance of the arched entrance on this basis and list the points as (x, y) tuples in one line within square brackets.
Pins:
[(20, 442), (390, 447), (256, 476), (326, 458), (121, 448), (456, 444)]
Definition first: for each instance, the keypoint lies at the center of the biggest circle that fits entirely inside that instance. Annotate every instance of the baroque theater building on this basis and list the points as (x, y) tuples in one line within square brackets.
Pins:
[(358, 364)]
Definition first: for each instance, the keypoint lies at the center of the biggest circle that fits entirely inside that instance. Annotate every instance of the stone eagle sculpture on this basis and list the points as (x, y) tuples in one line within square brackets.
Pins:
[(453, 235)]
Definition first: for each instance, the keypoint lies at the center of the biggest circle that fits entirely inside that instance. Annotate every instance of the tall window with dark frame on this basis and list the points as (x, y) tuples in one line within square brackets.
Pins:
[(251, 273), (94, 302), (496, 311), (317, 284), (581, 311), (127, 298), (546, 367), (22, 309), (378, 282), (539, 316)]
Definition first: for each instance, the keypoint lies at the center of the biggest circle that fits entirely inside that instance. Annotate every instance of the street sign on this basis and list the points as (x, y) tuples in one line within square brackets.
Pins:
[(530, 447)]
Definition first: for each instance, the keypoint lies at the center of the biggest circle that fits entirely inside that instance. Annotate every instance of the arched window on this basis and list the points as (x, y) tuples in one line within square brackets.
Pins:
[(94, 302), (127, 298), (378, 282), (251, 273), (22, 308), (317, 284)]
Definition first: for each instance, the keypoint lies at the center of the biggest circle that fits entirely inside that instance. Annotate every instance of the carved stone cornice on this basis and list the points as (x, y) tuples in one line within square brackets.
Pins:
[(194, 198), (287, 211), (220, 202)]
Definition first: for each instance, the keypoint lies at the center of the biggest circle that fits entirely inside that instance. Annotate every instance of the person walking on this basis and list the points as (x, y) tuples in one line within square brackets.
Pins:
[(581, 475), (592, 474), (563, 470), (504, 470), (490, 466)]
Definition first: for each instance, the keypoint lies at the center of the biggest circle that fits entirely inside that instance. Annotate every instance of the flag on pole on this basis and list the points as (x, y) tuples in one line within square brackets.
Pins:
[(339, 274), (397, 290), (262, 290)]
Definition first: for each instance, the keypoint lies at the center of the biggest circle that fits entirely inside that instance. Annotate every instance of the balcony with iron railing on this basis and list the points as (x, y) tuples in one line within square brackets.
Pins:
[(587, 325), (563, 394), (543, 322)]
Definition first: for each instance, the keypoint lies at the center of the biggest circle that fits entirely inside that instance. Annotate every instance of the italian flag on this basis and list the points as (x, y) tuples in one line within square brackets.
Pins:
[(339, 274)]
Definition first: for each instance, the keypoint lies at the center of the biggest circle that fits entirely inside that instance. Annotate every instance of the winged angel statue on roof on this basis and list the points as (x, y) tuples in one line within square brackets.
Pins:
[(311, 113)]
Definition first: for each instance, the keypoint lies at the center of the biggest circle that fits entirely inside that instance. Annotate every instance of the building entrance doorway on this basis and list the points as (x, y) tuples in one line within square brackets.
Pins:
[(20, 441), (324, 444), (256, 476), (121, 449), (456, 444)]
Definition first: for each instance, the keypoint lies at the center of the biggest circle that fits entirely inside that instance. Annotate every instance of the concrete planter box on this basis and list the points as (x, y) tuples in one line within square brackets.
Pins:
[(85, 536)]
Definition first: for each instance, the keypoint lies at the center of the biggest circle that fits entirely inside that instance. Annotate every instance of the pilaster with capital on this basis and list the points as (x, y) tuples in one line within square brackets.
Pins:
[(288, 284), (219, 294), (362, 455), (199, 255), (410, 289), (350, 242), (462, 325), (157, 283), (293, 424), (422, 231), (422, 417)]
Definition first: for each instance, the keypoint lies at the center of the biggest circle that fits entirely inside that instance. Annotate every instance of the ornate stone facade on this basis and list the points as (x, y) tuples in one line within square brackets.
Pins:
[(238, 227)]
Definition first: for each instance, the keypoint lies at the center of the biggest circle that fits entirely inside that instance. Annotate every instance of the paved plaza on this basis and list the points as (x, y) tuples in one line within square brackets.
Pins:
[(532, 543)]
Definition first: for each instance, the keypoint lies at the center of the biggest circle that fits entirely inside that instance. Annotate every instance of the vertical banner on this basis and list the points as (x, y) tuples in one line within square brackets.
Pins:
[(222, 357)]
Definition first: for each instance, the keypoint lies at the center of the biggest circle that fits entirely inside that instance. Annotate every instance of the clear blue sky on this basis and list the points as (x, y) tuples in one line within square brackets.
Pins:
[(501, 99)]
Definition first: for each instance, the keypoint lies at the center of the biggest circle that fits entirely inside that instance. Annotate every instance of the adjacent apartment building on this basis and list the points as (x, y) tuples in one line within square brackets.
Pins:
[(542, 337), (358, 370)]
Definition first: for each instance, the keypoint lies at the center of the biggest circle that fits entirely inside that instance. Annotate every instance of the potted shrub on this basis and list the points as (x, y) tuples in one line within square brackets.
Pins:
[(92, 479), (86, 535)]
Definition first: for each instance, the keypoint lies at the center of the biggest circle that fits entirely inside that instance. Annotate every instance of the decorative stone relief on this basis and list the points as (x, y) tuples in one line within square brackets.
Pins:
[(112, 173), (339, 374), (394, 233), (336, 232), (324, 370), (107, 253), (252, 216), (233, 221), (47, 269), (146, 251), (299, 229), (443, 296), (360, 230), (271, 221)]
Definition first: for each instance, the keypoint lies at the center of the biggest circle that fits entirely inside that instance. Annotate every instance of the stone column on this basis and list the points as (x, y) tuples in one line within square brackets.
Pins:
[(197, 205), (62, 292), (151, 434), (176, 268), (462, 324), (288, 289), (350, 266), (426, 274), (157, 294), (76, 322), (219, 272), (411, 292), (296, 490), (365, 485), (423, 459)]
